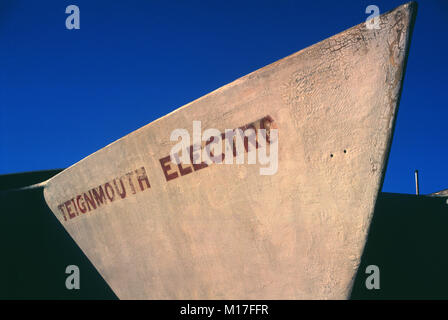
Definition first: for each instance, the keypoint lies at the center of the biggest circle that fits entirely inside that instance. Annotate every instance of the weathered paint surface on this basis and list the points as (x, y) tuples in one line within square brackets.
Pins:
[(443, 193), (225, 231)]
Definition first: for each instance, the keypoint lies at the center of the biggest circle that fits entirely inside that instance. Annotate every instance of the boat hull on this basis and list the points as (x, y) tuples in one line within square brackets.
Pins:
[(225, 231)]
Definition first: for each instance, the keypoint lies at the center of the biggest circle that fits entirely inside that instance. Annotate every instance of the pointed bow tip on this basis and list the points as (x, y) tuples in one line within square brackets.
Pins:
[(412, 7)]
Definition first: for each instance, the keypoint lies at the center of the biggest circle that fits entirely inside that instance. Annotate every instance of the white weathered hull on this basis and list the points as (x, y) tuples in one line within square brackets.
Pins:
[(225, 231)]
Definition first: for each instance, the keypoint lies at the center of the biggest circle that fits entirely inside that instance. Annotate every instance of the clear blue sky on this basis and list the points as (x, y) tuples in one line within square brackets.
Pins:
[(67, 93)]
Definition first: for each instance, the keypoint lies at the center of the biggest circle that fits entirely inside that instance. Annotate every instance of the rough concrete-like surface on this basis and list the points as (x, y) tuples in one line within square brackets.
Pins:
[(225, 232)]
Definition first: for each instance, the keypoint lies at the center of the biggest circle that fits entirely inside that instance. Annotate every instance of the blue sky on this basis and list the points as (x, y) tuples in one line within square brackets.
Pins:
[(67, 93)]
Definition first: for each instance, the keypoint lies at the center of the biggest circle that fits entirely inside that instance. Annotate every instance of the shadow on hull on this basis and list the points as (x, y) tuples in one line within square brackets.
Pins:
[(407, 241)]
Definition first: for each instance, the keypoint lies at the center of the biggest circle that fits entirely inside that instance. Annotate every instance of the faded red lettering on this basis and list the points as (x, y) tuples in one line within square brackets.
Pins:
[(141, 176), (60, 207), (123, 192), (89, 201), (131, 184), (164, 162), (82, 207), (109, 191), (199, 166), (71, 214)]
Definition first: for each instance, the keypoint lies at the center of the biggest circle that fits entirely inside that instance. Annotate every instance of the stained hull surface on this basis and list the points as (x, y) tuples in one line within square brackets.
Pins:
[(225, 231)]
